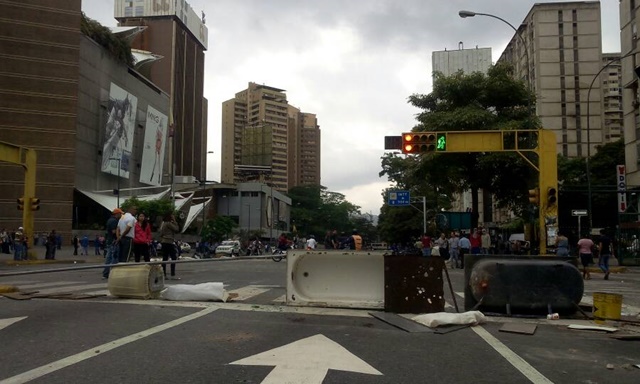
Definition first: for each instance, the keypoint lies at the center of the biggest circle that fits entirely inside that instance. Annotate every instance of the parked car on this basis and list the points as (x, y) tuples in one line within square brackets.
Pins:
[(228, 247)]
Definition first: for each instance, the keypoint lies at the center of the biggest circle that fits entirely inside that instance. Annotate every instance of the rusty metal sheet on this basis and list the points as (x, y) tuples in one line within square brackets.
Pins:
[(413, 284)]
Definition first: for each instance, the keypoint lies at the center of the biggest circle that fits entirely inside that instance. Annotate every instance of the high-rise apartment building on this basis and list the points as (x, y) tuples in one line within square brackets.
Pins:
[(558, 52), (174, 31), (629, 20), (260, 129), (611, 78), (466, 60)]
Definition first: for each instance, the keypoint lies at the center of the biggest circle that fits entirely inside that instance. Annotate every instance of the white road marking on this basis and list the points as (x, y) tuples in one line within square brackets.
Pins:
[(100, 349), (461, 294), (4, 323), (518, 362), (45, 285), (280, 299), (248, 292), (74, 289), (100, 292), (307, 361)]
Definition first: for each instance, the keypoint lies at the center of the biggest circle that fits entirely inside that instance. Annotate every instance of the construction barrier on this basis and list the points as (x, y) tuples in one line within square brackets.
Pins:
[(136, 282)]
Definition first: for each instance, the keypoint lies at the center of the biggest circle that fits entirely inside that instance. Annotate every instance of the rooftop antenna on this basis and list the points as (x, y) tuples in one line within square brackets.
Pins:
[(461, 45)]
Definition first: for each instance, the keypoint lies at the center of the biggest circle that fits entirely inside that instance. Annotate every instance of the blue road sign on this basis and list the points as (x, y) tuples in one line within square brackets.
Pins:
[(399, 198)]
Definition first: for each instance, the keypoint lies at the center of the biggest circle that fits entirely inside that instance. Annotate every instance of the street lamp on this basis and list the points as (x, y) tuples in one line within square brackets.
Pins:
[(588, 166), (465, 14), (118, 160)]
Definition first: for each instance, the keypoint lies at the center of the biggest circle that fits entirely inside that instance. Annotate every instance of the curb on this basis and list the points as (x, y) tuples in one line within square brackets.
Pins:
[(611, 269), (39, 262)]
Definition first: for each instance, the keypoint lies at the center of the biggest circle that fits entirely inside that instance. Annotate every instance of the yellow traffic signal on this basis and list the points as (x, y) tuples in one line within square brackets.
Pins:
[(552, 196), (419, 142), (20, 202), (35, 204), (534, 196)]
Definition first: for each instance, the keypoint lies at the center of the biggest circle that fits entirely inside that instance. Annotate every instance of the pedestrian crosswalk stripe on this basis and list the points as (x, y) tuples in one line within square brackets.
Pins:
[(46, 285), (280, 299), (77, 288), (248, 291)]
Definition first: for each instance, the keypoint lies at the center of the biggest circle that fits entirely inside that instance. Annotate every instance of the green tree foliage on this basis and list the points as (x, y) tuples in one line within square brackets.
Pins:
[(316, 210), (117, 46), (154, 210), (495, 101), (218, 229), (572, 177)]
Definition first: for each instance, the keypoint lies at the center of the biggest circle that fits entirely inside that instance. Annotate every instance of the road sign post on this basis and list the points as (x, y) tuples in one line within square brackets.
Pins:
[(579, 213), (399, 198)]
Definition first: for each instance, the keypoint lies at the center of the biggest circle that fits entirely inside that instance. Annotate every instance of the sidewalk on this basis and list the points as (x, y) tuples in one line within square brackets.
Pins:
[(63, 256)]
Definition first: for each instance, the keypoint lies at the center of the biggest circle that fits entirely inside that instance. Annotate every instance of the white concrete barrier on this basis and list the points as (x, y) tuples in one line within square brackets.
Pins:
[(343, 279)]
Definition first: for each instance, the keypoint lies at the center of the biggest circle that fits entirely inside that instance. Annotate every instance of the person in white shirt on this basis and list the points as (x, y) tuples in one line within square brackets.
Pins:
[(311, 242), (125, 233)]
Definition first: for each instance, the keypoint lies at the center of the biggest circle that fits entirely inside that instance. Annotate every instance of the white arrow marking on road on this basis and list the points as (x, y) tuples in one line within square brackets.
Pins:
[(307, 361), (4, 323)]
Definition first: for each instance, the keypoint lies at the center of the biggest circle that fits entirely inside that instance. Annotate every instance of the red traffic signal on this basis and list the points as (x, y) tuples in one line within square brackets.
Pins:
[(418, 142)]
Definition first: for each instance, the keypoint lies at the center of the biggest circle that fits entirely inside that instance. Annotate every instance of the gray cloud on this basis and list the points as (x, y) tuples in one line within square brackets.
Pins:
[(353, 63)]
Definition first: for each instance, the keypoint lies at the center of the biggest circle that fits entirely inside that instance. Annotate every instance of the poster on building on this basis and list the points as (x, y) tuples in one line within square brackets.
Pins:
[(155, 135), (118, 137)]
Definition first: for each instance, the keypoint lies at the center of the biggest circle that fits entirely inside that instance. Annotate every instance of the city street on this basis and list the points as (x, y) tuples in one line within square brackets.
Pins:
[(256, 339)]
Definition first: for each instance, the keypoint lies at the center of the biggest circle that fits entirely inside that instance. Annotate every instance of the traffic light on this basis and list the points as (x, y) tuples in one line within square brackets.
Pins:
[(419, 142), (441, 142), (20, 204), (534, 196), (35, 204), (552, 196)]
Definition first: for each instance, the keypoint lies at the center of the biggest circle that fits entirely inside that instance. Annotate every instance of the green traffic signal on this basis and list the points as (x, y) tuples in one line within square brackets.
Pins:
[(441, 143)]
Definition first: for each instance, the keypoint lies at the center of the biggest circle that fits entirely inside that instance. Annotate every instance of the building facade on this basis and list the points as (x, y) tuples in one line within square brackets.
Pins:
[(611, 78), (630, 62), (174, 31), (558, 52), (261, 130), (39, 106)]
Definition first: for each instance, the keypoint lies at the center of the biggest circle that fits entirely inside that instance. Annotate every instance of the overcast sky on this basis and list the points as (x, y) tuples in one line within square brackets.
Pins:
[(353, 63)]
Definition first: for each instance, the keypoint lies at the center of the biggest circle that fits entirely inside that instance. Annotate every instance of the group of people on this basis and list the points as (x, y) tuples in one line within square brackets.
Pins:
[(456, 245), (15, 242), (331, 241), (604, 247), (129, 233)]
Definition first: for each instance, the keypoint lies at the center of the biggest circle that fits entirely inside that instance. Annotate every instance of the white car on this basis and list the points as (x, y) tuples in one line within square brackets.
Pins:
[(228, 247)]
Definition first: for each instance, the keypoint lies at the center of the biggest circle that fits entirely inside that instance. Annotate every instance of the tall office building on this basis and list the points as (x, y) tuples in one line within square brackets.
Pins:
[(40, 50), (561, 54), (465, 60), (261, 130), (611, 79), (173, 30)]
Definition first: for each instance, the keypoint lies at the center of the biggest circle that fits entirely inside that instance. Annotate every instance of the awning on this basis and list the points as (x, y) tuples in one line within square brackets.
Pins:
[(194, 211), (141, 57), (181, 199), (110, 202)]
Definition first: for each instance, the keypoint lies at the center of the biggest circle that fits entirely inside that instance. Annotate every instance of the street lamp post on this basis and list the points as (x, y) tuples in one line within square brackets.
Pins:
[(587, 160), (118, 187), (465, 14)]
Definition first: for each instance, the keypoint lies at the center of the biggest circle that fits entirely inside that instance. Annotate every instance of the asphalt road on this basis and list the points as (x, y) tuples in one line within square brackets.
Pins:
[(256, 339)]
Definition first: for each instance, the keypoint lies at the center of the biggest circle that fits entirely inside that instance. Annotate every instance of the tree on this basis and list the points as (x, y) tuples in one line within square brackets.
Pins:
[(218, 228), (495, 101), (117, 46), (154, 210)]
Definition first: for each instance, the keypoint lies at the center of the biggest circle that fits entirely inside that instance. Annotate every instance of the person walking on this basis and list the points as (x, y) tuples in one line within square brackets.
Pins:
[(76, 244), (485, 241), (97, 244), (5, 240), (476, 241), (112, 248), (19, 248), (51, 246), (426, 245), (125, 234), (311, 243), (605, 251), (585, 250), (168, 230), (142, 239), (355, 241), (454, 247), (84, 243), (562, 245), (465, 246)]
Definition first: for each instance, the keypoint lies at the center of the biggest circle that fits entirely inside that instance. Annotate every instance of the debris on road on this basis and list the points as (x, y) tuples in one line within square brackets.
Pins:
[(433, 320), (197, 292), (521, 328), (592, 328)]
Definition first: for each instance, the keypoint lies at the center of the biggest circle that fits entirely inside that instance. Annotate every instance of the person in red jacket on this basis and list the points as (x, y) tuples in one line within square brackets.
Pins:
[(142, 239), (476, 241)]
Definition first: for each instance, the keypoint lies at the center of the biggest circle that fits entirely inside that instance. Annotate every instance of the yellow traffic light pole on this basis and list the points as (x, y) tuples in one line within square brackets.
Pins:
[(542, 142), (27, 159)]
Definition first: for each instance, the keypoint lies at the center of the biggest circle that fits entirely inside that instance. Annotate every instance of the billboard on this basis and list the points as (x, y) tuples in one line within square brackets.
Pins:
[(155, 135), (118, 137)]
